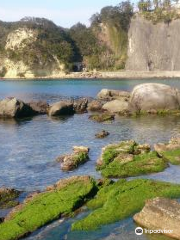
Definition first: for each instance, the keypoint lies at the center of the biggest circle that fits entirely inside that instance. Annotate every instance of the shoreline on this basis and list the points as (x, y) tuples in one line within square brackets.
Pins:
[(104, 75)]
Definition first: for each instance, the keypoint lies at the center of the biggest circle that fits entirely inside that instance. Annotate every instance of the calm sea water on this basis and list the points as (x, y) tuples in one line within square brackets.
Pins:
[(28, 148)]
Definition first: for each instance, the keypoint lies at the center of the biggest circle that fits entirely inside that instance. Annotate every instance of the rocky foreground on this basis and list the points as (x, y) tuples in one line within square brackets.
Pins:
[(109, 202)]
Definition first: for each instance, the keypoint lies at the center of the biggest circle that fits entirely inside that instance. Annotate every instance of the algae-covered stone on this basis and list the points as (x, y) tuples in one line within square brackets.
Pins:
[(104, 117), (129, 159), (134, 165), (8, 197), (122, 199), (72, 161), (169, 151), (41, 209)]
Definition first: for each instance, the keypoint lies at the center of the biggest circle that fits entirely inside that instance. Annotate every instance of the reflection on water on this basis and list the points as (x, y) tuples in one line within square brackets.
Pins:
[(28, 148)]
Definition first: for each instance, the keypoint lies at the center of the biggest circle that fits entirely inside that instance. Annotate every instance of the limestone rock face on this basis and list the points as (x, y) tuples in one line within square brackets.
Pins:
[(154, 96), (13, 108), (150, 46), (116, 106), (161, 213), (61, 108), (108, 94)]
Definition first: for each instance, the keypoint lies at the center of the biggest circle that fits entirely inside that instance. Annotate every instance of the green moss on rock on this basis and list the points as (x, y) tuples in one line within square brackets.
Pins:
[(129, 159), (62, 199), (169, 151), (123, 199), (104, 117), (140, 164), (8, 198)]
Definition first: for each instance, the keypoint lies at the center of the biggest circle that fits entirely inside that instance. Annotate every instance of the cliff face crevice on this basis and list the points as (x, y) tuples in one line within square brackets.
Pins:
[(153, 47)]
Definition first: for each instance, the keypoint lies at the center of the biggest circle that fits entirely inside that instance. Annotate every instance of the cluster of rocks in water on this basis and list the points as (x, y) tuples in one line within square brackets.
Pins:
[(149, 98), (119, 160)]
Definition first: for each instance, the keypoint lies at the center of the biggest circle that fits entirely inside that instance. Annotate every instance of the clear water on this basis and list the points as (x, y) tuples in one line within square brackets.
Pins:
[(28, 148)]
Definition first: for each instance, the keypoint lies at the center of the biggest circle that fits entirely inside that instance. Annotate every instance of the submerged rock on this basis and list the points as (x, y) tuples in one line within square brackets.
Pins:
[(40, 107), (80, 105), (102, 134), (61, 108), (127, 159), (95, 105), (169, 151), (71, 161), (162, 214), (8, 197), (104, 117), (117, 106), (62, 199), (154, 97), (121, 199), (14, 108), (109, 94)]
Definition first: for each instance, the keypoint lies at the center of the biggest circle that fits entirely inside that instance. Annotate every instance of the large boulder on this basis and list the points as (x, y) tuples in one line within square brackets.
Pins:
[(108, 94), (120, 106), (161, 214), (14, 108), (61, 108), (40, 107), (154, 96)]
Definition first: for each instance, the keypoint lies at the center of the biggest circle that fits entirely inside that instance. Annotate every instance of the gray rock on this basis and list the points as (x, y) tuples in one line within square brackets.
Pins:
[(161, 213), (80, 105), (40, 107), (117, 106), (95, 106), (14, 108), (108, 94), (61, 108), (154, 96)]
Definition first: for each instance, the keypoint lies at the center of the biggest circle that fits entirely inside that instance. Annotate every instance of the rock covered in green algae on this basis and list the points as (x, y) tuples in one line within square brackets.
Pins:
[(103, 117), (122, 199), (127, 158), (7, 197), (169, 151), (61, 199), (72, 161)]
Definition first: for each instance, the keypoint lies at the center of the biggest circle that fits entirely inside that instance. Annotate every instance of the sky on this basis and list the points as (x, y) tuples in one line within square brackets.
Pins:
[(64, 13)]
